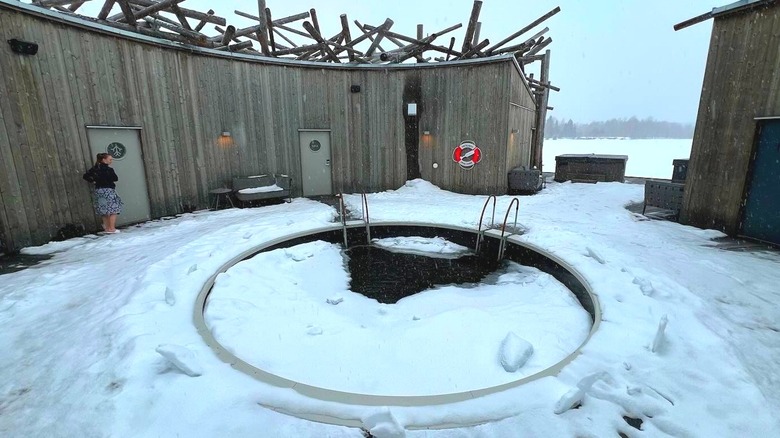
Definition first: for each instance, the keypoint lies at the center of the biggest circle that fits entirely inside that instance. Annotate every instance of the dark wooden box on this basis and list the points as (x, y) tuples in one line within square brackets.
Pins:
[(590, 168)]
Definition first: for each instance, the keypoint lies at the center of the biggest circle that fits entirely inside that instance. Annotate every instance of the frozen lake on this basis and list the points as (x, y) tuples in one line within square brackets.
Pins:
[(646, 158)]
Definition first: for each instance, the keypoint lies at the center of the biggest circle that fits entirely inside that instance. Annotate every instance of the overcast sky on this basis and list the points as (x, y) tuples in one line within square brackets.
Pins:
[(611, 58)]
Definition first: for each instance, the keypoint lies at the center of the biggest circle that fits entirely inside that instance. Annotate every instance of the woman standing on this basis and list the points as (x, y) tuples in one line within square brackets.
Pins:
[(107, 202)]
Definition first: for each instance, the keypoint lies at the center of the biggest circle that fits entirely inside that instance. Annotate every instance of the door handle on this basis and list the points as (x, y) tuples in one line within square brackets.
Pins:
[(327, 162)]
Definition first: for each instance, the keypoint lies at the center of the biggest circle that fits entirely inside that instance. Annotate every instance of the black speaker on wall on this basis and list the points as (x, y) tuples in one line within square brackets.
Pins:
[(23, 47)]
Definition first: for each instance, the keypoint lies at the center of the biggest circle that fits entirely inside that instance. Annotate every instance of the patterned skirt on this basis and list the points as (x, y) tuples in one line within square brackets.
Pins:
[(107, 202)]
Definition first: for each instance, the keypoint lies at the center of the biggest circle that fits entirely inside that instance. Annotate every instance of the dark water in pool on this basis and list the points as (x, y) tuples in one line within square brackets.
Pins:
[(388, 276)]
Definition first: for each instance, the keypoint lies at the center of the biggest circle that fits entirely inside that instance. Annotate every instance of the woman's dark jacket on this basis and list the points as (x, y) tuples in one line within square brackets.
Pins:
[(102, 175)]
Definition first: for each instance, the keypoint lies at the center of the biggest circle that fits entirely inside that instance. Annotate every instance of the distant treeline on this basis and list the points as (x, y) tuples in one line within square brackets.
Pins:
[(632, 128)]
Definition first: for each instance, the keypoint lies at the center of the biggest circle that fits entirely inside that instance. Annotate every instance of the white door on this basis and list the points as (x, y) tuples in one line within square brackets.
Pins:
[(315, 163), (125, 146)]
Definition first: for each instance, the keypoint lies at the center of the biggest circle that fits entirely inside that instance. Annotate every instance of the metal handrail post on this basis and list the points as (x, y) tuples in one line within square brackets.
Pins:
[(503, 226), (480, 234), (366, 219), (342, 210)]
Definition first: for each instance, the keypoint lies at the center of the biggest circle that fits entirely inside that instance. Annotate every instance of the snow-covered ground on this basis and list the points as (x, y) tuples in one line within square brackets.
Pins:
[(273, 311), (99, 340), (646, 158)]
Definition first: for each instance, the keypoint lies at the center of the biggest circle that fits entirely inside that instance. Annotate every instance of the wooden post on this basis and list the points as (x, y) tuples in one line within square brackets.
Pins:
[(228, 35), (541, 112), (181, 17), (106, 9), (523, 30), (367, 33), (160, 22), (475, 40), (127, 11), (202, 23), (414, 41), (538, 48), (189, 13), (290, 29), (155, 7), (452, 43), (471, 26), (370, 33), (280, 21), (314, 21), (270, 24), (384, 27), (323, 44), (289, 41), (346, 34), (419, 37), (525, 45), (75, 5), (474, 50), (262, 31), (236, 47)]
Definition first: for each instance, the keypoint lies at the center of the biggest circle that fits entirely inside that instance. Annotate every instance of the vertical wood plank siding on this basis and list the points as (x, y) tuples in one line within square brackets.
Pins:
[(522, 113), (183, 100), (741, 82)]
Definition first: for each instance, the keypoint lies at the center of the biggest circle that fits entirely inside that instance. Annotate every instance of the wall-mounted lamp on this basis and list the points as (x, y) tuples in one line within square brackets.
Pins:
[(426, 132), (515, 131), (411, 109), (225, 139)]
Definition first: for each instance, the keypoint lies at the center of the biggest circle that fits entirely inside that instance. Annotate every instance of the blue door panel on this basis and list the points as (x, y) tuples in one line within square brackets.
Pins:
[(761, 218)]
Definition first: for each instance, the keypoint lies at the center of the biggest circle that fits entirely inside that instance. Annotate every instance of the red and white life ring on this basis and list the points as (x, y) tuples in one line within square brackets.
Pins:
[(467, 154)]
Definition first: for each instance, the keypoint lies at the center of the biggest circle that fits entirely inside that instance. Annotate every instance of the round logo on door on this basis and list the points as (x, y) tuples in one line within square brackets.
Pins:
[(315, 145), (116, 150)]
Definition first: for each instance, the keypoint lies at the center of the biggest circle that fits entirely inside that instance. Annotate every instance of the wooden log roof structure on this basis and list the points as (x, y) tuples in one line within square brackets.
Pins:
[(275, 37)]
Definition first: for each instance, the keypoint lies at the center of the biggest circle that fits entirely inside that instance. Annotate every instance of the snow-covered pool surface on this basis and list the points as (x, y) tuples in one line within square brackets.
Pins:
[(90, 336), (290, 312)]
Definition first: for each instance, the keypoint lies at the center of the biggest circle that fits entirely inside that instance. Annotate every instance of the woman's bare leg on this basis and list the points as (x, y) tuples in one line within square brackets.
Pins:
[(105, 222), (111, 223)]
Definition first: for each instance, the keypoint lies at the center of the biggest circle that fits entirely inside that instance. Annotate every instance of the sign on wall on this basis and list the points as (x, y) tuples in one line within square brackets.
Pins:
[(467, 154)]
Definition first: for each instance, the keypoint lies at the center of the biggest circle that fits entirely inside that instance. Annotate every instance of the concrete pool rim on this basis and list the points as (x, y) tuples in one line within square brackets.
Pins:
[(350, 398)]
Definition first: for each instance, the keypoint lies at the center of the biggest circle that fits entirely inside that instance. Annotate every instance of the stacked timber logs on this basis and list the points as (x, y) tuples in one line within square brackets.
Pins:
[(276, 37)]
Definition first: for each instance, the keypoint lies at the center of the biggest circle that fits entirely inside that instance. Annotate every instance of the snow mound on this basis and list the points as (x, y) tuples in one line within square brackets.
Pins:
[(515, 352), (659, 334), (427, 246), (383, 424), (181, 358), (645, 285), (170, 296), (263, 189), (595, 256), (299, 253)]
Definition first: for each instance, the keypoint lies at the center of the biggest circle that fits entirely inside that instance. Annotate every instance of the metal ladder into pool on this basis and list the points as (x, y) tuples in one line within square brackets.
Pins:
[(366, 219), (481, 232)]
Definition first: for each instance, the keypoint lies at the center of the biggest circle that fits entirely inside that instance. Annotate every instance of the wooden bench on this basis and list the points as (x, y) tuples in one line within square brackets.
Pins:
[(663, 194), (262, 188)]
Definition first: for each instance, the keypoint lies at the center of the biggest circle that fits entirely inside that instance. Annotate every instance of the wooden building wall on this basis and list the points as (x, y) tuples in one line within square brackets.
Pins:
[(184, 99), (522, 113), (459, 107), (741, 82)]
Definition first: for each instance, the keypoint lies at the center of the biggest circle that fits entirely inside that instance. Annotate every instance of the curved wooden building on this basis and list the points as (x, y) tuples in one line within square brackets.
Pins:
[(195, 118)]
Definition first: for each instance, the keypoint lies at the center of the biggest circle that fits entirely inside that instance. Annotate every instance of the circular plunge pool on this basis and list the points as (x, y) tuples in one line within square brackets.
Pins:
[(414, 318)]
